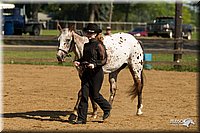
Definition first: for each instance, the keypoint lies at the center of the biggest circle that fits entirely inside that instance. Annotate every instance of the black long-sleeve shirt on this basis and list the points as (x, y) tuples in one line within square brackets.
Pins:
[(94, 52)]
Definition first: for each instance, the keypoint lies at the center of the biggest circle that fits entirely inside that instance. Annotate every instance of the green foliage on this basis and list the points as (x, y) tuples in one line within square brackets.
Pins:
[(130, 12), (186, 15), (143, 12), (48, 8), (79, 12), (66, 11), (104, 12)]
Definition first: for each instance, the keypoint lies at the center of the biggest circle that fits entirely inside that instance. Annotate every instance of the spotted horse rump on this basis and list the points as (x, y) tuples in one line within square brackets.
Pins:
[(122, 49)]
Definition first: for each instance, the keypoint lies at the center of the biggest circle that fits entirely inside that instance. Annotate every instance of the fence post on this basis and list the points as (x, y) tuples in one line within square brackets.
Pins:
[(178, 34)]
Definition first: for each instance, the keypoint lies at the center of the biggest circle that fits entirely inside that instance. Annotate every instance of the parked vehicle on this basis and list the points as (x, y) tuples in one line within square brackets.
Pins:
[(15, 22), (165, 27), (139, 31)]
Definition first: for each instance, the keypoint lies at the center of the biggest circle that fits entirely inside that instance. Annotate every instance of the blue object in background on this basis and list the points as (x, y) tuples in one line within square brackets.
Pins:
[(8, 28), (147, 57)]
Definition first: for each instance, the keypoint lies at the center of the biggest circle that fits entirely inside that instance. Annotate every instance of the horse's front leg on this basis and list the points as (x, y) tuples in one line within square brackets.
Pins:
[(74, 115)]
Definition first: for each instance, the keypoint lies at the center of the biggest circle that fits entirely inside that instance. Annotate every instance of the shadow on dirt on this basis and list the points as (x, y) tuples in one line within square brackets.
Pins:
[(42, 115)]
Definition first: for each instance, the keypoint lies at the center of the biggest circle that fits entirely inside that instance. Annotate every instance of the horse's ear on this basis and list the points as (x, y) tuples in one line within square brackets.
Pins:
[(71, 27), (59, 27)]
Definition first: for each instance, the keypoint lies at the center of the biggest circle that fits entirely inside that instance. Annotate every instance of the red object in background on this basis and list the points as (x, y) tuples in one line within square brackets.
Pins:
[(139, 31)]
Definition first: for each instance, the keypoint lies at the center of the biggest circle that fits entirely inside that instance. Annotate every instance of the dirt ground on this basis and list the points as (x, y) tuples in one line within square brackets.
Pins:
[(40, 98)]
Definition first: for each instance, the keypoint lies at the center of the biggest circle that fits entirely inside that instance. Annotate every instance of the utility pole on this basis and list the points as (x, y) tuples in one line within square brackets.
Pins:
[(178, 41), (111, 12)]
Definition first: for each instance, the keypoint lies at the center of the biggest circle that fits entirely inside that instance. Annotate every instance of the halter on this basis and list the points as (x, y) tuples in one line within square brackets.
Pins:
[(72, 44)]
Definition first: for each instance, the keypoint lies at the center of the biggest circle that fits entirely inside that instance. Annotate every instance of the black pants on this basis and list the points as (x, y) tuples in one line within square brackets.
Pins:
[(91, 83)]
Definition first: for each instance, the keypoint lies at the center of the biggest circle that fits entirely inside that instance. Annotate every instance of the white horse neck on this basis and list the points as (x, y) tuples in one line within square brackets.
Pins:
[(79, 45)]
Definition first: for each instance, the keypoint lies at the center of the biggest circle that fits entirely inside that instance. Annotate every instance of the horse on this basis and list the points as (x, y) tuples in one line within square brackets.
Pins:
[(122, 50)]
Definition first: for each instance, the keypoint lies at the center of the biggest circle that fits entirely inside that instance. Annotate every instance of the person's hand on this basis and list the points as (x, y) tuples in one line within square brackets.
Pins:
[(91, 66), (76, 63)]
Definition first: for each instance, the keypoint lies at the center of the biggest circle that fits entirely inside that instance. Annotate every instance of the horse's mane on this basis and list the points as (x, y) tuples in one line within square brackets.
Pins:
[(99, 36), (79, 32)]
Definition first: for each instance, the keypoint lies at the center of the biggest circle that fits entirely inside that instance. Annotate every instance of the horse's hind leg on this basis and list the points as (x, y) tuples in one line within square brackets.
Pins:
[(113, 86), (113, 83), (138, 86), (140, 106)]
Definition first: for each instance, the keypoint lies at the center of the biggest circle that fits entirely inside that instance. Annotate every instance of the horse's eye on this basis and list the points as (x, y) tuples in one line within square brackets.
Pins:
[(67, 40)]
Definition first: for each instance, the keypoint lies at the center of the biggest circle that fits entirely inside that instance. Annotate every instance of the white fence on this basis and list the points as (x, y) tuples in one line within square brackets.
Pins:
[(122, 26)]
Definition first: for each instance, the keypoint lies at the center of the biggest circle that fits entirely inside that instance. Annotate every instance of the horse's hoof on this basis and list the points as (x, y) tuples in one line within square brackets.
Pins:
[(72, 117), (94, 116), (139, 113)]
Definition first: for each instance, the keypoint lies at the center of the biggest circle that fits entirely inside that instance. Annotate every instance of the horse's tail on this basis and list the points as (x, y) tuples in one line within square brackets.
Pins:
[(141, 44), (137, 87)]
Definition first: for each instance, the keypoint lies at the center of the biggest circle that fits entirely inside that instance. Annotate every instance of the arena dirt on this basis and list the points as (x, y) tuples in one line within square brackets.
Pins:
[(40, 98)]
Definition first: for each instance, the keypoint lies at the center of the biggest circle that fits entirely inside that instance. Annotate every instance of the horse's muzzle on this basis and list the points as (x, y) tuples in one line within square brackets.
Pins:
[(60, 61), (59, 57)]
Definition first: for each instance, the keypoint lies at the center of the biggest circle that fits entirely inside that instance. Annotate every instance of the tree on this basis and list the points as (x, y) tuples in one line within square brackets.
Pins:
[(129, 12), (93, 11), (99, 12), (32, 11), (127, 8)]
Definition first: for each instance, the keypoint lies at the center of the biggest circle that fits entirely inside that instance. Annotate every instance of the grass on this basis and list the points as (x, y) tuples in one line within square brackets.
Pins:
[(32, 57), (195, 36), (189, 62), (39, 63), (169, 57), (50, 32), (49, 58), (30, 54)]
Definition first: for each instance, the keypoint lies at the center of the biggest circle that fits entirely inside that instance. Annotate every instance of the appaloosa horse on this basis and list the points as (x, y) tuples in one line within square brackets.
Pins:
[(122, 50)]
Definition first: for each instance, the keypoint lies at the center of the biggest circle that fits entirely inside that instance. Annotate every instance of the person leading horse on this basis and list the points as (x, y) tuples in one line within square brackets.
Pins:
[(94, 57)]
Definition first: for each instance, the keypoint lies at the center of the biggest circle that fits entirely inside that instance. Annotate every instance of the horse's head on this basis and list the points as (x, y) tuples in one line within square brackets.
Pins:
[(66, 41)]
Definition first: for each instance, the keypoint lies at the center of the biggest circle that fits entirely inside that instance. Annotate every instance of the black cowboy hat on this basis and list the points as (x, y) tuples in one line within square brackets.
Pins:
[(92, 28)]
